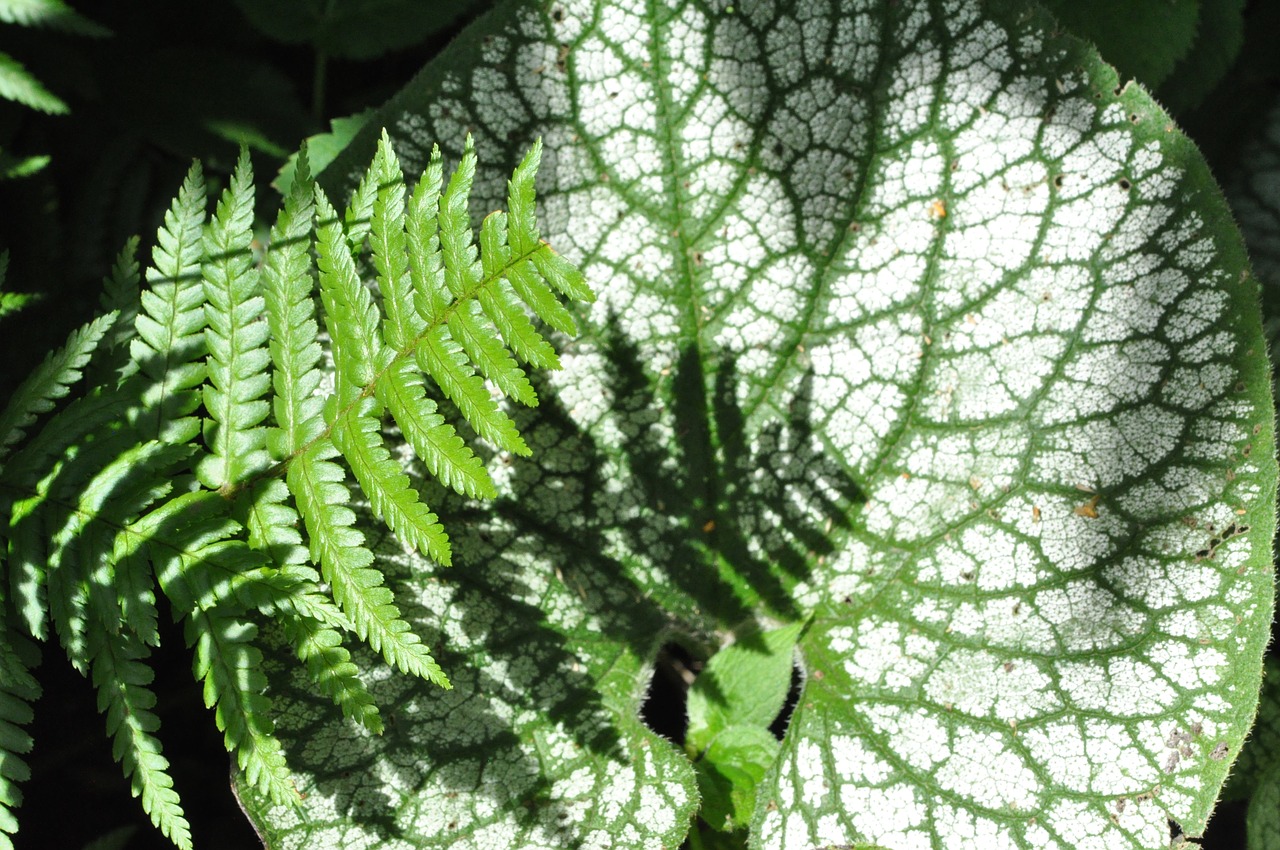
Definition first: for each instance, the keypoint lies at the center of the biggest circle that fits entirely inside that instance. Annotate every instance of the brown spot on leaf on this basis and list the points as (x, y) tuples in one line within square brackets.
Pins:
[(1089, 509)]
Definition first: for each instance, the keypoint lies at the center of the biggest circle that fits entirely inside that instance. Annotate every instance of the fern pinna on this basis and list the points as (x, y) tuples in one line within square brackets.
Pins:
[(204, 458)]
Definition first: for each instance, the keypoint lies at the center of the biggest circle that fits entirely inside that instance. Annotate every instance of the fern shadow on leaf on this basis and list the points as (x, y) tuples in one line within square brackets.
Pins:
[(729, 520)]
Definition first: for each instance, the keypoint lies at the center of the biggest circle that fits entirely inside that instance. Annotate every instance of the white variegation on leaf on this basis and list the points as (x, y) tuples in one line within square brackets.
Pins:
[(909, 322)]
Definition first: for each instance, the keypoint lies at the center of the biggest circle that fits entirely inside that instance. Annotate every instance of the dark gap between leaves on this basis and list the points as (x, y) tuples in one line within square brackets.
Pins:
[(665, 707), (780, 723)]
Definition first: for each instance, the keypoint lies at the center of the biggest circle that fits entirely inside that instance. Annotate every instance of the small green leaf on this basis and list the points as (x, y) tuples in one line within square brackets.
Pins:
[(728, 772), (744, 684)]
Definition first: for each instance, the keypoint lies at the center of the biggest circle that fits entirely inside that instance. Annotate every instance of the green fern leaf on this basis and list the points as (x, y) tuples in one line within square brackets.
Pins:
[(499, 302), (121, 293), (10, 302), (350, 314), (236, 341), (435, 441), (105, 483), (422, 232), (198, 557), (272, 523), (135, 586), (18, 690), (17, 84), (382, 478), (357, 220), (311, 623), (31, 470), (329, 664), (230, 667), (317, 486), (121, 584), (464, 279), (51, 380), (122, 682), (49, 13), (438, 354), (390, 249), (295, 352), (448, 364), (171, 321)]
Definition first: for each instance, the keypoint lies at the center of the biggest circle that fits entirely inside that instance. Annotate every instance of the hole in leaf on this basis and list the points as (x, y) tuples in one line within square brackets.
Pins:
[(663, 709), (1125, 184), (780, 723)]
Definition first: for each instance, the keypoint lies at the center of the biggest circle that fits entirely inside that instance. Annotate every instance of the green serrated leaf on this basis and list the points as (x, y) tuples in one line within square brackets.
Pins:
[(54, 14), (728, 771), (744, 684), (913, 323), (18, 84)]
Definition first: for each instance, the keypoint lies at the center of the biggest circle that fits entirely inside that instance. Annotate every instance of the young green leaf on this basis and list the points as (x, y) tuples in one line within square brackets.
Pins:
[(744, 684)]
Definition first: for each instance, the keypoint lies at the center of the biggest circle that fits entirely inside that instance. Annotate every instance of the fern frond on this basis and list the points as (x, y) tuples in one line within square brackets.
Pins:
[(500, 304), (271, 522), (422, 226), (121, 292), (170, 325), (10, 302), (51, 380), (390, 249), (318, 488), (392, 497), (111, 496), (433, 439), (295, 351), (463, 277), (17, 84), (311, 622), (104, 484), (358, 217), (49, 13), (32, 470), (231, 669), (198, 556), (18, 690), (522, 236), (236, 341), (124, 696), (350, 314), (329, 664)]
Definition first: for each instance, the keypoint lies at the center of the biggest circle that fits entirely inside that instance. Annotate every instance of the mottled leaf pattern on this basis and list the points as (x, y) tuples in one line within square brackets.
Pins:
[(911, 322)]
